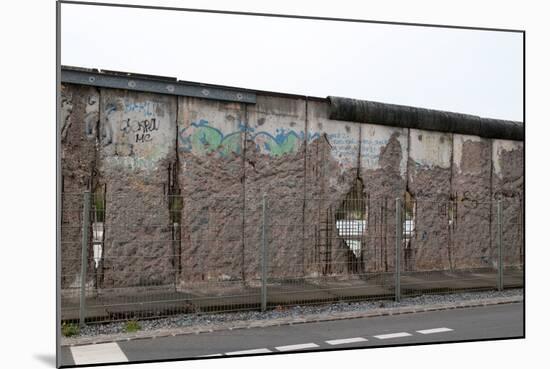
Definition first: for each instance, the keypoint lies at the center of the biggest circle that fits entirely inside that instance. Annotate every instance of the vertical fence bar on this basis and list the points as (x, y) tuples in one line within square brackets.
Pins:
[(264, 255), (398, 236), (500, 276), (84, 256)]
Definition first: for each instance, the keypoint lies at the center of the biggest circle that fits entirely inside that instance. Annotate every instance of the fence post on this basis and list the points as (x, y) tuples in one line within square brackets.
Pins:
[(500, 276), (398, 242), (264, 254), (84, 256)]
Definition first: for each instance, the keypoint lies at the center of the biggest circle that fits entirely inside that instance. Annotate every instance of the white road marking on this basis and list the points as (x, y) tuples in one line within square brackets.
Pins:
[(254, 351), (346, 340), (435, 330), (392, 335), (213, 355), (98, 353), (296, 347)]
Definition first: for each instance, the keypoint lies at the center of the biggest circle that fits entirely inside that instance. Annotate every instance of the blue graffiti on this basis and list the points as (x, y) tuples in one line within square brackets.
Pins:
[(137, 106), (110, 108)]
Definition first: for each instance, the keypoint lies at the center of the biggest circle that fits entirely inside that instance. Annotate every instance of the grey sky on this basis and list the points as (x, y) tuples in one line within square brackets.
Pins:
[(475, 72)]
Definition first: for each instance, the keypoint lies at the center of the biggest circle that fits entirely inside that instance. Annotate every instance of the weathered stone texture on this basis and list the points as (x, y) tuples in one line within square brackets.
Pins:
[(210, 151), (383, 169), (274, 165), (471, 191), (79, 120), (508, 186), (185, 177), (331, 172), (429, 182), (137, 148)]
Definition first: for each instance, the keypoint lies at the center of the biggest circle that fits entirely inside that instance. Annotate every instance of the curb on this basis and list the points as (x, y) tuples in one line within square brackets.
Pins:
[(313, 318)]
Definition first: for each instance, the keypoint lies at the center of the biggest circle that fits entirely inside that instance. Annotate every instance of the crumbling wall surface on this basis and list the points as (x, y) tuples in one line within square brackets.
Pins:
[(184, 180), (429, 182), (79, 121), (383, 165), (274, 165), (471, 201), (137, 148), (210, 152), (508, 186), (331, 172)]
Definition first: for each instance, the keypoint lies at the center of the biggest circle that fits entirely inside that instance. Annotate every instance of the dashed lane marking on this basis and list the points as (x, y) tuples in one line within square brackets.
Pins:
[(98, 353), (297, 347), (343, 341), (392, 335), (213, 355), (435, 330), (245, 352)]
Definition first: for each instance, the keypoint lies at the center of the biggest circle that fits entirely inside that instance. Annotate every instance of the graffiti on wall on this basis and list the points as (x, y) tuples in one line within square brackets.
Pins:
[(285, 141), (144, 108), (202, 138), (136, 130), (370, 152), (140, 129), (343, 147), (135, 135), (91, 114)]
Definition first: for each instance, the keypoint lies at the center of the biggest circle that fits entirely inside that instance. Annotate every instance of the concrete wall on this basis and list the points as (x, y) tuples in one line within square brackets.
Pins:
[(210, 178), (332, 159), (137, 147), (508, 186), (429, 182), (219, 158), (79, 125), (384, 171), (274, 165), (471, 192)]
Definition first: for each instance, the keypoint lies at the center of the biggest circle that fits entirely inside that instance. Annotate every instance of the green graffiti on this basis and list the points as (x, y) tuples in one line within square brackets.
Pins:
[(281, 144), (201, 138), (206, 139), (231, 143)]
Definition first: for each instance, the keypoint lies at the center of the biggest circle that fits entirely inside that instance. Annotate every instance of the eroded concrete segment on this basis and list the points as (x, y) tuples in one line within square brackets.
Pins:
[(79, 124), (429, 182), (331, 172), (274, 165), (383, 169), (137, 148), (508, 186), (210, 153), (470, 221)]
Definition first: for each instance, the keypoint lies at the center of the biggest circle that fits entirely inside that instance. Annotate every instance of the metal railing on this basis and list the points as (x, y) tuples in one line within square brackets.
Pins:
[(137, 257)]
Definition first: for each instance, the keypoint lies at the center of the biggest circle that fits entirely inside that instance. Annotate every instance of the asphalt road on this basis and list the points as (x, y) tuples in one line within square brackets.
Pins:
[(449, 325)]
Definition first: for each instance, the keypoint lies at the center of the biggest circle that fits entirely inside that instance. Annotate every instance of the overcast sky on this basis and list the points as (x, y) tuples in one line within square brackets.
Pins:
[(475, 72)]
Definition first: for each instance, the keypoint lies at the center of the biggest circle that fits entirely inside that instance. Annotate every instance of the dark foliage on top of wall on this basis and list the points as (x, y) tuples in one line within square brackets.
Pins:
[(363, 111)]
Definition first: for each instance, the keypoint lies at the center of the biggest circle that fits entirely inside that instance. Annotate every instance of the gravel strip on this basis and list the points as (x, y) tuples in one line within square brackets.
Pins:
[(288, 315)]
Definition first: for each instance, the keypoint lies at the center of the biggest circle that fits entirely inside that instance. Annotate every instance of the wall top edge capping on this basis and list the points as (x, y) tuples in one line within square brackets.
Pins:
[(401, 116), (154, 84), (340, 108), (80, 75)]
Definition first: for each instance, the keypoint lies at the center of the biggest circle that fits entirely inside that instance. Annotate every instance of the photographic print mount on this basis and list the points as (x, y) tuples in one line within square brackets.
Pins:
[(326, 220)]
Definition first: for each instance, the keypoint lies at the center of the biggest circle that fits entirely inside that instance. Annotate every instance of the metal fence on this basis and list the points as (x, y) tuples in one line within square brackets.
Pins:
[(128, 256)]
